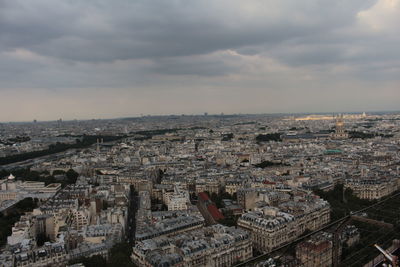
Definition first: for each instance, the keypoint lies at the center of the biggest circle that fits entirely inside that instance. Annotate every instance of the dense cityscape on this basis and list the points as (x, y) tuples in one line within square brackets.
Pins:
[(211, 133), (204, 190)]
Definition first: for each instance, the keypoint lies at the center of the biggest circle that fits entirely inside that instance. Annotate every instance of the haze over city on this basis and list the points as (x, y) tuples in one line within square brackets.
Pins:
[(108, 59), (204, 133)]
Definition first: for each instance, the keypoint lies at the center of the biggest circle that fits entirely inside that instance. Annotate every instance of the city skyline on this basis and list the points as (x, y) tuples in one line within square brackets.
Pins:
[(83, 60), (296, 114)]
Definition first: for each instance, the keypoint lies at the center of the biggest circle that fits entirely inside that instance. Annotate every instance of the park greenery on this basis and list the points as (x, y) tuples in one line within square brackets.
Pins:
[(119, 255), (227, 137), (266, 164), (26, 174), (343, 202), (229, 221), (362, 135), (269, 137), (83, 142), (7, 221), (15, 140), (246, 123), (148, 134), (93, 261)]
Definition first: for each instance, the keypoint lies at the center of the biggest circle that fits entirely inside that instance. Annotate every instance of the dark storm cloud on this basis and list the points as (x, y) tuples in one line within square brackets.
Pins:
[(278, 55), (111, 30)]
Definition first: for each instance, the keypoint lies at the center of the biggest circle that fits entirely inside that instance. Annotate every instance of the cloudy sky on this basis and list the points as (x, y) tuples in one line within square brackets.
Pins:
[(103, 59)]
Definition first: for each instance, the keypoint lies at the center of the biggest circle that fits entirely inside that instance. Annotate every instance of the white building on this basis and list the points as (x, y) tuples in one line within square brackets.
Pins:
[(179, 200)]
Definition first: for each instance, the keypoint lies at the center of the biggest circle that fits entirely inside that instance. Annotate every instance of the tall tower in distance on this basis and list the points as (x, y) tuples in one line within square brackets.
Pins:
[(340, 132)]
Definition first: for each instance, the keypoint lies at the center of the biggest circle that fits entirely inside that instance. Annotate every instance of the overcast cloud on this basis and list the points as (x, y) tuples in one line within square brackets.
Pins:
[(99, 58)]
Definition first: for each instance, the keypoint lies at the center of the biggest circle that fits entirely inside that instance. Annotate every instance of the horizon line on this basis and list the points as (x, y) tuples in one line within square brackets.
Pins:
[(202, 115)]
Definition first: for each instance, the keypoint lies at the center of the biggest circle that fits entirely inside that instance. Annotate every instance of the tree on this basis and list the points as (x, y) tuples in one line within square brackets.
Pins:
[(229, 221), (120, 255), (227, 137), (41, 239), (217, 199), (267, 163), (72, 176), (6, 222), (342, 206), (269, 137), (105, 205), (26, 204), (93, 261), (58, 172), (87, 140)]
